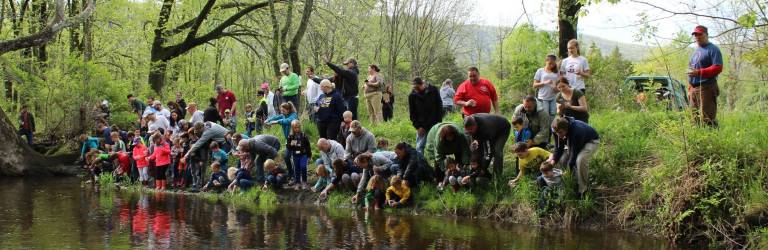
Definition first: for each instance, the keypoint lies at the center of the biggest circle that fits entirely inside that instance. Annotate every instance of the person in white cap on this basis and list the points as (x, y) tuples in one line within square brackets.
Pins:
[(289, 85)]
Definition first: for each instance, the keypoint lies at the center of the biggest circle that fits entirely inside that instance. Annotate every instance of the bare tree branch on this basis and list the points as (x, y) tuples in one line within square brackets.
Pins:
[(684, 12), (47, 34)]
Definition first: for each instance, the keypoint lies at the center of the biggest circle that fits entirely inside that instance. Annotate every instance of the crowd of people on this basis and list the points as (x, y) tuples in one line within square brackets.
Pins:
[(179, 142)]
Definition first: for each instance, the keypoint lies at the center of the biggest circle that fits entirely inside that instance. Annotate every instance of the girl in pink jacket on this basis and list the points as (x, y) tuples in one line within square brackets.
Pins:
[(162, 158), (140, 156)]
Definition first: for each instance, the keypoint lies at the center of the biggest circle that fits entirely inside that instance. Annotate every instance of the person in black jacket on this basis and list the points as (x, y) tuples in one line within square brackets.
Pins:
[(328, 112), (426, 110), (489, 134), (211, 114), (347, 83), (411, 165)]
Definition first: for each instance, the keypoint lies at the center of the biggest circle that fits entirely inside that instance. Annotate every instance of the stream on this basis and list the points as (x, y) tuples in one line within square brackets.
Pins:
[(56, 212)]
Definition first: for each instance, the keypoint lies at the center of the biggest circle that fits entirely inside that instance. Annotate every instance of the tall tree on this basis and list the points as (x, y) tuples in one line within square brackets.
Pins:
[(161, 53), (567, 22)]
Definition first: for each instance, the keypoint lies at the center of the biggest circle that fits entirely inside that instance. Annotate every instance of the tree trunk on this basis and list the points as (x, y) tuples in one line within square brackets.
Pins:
[(293, 49), (18, 159), (567, 23), (275, 38), (157, 71)]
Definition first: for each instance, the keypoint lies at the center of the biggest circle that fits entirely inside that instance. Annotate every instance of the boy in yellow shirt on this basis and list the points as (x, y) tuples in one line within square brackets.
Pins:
[(527, 159), (397, 193)]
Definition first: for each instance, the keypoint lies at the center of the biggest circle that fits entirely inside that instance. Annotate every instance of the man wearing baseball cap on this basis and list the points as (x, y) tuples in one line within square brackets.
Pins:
[(359, 141), (348, 83), (704, 66), (289, 84)]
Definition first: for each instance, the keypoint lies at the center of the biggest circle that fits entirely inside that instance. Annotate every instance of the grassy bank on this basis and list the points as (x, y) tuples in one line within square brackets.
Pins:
[(654, 173)]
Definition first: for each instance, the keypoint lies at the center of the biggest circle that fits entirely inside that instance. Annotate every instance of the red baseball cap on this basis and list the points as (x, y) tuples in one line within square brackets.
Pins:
[(699, 30)]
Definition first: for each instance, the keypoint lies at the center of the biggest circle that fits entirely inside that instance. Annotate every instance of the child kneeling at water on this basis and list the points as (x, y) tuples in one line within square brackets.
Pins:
[(218, 179), (243, 179), (398, 193), (453, 175), (323, 178), (375, 193), (549, 181), (275, 175)]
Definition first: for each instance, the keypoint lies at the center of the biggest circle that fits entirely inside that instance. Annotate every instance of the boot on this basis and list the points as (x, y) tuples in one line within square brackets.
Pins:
[(157, 184), (163, 184), (144, 183)]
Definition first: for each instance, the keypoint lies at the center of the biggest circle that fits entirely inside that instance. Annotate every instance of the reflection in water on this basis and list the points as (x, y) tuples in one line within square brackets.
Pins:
[(58, 213)]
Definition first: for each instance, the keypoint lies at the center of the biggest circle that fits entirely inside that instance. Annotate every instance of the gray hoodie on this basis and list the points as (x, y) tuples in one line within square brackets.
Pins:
[(212, 132), (358, 145), (266, 145)]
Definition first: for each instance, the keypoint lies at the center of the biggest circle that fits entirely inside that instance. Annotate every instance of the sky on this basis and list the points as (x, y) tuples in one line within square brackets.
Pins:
[(617, 22)]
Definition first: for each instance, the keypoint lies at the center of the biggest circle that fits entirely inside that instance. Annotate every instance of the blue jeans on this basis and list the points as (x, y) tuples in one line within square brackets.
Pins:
[(249, 128), (245, 184), (288, 159), (28, 134), (352, 106), (421, 141), (275, 181), (233, 125), (300, 168), (549, 105), (259, 165), (311, 111)]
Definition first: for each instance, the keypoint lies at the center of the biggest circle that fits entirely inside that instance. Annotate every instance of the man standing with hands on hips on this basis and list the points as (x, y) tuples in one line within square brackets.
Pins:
[(705, 64)]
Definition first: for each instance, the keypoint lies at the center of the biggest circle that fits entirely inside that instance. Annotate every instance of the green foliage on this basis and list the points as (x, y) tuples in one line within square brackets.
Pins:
[(608, 73), (524, 51)]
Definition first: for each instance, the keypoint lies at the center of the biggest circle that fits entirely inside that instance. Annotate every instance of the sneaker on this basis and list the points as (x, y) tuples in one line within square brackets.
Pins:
[(297, 187)]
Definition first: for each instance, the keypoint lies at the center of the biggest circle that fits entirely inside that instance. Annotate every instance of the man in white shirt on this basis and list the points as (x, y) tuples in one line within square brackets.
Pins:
[(312, 91), (156, 122), (195, 114)]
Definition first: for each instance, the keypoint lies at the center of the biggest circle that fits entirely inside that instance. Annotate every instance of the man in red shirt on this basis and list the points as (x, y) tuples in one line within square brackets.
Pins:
[(476, 95), (226, 100)]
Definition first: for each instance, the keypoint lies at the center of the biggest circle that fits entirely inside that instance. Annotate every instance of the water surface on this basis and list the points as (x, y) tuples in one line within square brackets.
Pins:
[(59, 213)]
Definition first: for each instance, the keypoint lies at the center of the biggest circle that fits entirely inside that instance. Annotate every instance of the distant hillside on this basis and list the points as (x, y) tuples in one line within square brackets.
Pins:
[(487, 39), (632, 52)]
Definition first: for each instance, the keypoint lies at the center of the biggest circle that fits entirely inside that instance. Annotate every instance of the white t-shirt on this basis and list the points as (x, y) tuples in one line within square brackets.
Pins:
[(313, 91), (160, 122), (270, 106), (546, 92), (569, 66), (196, 117)]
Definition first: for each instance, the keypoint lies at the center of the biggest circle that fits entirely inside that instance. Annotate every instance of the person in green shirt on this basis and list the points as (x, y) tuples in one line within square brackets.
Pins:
[(289, 85), (443, 139)]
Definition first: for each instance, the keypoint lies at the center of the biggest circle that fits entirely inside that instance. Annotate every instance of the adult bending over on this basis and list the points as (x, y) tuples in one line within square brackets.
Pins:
[(489, 134), (260, 148), (582, 141), (413, 168)]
